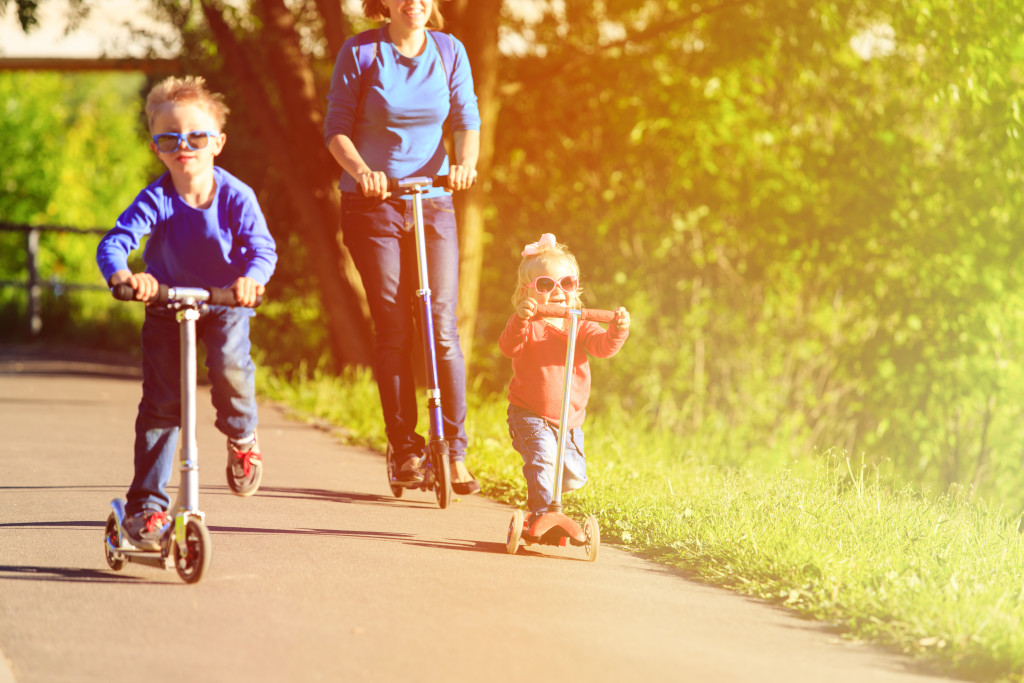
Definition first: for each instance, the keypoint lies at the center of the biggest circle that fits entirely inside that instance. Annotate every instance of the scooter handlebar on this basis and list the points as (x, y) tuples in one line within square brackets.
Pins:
[(215, 296), (555, 311), (398, 185)]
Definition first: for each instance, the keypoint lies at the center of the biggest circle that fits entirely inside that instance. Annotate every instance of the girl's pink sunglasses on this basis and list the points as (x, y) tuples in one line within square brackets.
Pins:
[(544, 284)]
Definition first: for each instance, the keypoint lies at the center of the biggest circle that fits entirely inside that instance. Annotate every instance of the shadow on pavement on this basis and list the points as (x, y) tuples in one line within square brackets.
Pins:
[(51, 525), (343, 497), (408, 539), (66, 574)]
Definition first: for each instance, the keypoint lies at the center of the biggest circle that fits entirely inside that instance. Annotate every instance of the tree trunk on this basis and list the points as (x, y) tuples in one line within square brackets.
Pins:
[(296, 147), (476, 25)]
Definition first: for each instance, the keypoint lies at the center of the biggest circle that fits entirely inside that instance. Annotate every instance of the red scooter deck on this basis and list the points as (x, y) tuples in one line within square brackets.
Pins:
[(553, 528)]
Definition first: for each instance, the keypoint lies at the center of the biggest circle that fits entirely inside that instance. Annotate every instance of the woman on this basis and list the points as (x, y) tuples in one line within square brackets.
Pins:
[(386, 114)]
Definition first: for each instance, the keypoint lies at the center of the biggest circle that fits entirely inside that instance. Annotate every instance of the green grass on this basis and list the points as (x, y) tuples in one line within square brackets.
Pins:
[(938, 578)]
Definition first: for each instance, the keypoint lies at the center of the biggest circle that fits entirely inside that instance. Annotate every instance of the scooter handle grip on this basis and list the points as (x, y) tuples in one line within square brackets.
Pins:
[(226, 297), (125, 292), (555, 311), (396, 185)]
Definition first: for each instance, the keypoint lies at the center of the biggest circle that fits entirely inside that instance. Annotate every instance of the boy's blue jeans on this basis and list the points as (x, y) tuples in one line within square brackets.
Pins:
[(380, 235), (536, 440), (224, 332)]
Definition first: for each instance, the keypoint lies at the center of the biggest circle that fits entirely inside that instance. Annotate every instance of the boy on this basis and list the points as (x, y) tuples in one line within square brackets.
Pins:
[(205, 229)]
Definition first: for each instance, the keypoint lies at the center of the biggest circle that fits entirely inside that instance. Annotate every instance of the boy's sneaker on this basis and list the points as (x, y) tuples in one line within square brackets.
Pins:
[(143, 530), (245, 466), (409, 473)]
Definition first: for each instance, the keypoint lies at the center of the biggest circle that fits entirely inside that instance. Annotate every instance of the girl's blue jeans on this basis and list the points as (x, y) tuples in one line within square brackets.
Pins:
[(536, 440), (224, 331), (380, 236)]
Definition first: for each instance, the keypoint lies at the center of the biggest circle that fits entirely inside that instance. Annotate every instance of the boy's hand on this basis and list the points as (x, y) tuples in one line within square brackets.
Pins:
[(526, 309), (144, 285), (621, 319), (246, 290)]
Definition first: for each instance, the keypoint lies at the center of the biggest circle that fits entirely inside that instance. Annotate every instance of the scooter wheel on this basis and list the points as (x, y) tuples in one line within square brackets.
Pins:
[(396, 491), (593, 536), (112, 537), (442, 473), (196, 561), (515, 532)]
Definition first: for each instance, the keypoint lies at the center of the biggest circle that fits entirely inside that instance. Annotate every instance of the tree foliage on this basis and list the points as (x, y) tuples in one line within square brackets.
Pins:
[(809, 206), (817, 245)]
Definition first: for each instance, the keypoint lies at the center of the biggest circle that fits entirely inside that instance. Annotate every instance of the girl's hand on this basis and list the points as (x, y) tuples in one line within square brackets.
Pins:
[(526, 309), (373, 184), (246, 290), (461, 177), (621, 319)]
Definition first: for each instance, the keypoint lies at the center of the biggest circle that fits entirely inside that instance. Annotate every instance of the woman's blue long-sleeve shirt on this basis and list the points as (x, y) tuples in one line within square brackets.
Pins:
[(400, 127), (190, 247)]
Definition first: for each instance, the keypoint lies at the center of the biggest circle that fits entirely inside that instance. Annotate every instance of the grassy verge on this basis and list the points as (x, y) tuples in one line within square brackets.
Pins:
[(938, 578)]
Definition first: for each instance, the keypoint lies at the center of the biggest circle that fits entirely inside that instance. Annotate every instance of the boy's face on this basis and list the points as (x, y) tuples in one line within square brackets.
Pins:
[(183, 119)]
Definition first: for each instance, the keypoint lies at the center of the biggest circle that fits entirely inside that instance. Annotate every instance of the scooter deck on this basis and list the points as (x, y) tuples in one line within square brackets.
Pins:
[(553, 528)]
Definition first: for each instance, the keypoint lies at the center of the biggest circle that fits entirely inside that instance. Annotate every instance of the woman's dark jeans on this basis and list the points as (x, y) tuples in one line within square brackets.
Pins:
[(380, 235)]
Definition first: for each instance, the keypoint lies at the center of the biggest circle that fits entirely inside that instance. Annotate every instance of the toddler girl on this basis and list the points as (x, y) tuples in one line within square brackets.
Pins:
[(549, 274)]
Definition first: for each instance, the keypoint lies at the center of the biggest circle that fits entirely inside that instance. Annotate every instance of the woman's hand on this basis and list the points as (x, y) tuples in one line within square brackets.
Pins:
[(461, 177), (373, 184)]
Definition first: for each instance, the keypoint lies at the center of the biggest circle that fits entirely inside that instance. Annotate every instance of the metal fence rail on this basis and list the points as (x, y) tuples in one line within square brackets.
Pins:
[(35, 284)]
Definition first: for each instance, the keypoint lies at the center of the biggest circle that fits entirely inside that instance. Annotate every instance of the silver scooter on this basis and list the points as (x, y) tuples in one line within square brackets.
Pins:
[(185, 541)]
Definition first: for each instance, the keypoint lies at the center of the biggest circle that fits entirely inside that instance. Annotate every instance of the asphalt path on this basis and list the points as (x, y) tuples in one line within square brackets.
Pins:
[(324, 576)]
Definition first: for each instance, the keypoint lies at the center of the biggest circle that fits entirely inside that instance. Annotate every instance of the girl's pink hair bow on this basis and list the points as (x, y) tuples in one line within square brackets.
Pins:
[(546, 240)]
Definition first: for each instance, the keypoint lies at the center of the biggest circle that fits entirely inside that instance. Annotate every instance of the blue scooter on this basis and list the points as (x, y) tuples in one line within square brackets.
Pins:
[(437, 469)]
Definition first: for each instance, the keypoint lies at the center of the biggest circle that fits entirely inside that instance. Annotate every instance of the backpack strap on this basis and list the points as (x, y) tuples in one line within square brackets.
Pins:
[(366, 55), (446, 48)]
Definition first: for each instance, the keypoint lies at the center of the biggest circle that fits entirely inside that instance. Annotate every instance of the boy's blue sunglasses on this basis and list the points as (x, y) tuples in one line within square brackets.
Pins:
[(196, 139)]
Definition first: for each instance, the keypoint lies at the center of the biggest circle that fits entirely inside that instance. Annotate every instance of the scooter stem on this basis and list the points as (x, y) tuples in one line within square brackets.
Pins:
[(188, 493), (433, 385), (556, 496)]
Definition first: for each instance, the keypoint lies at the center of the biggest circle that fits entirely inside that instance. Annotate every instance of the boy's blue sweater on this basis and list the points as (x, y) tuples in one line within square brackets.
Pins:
[(190, 247), (399, 129)]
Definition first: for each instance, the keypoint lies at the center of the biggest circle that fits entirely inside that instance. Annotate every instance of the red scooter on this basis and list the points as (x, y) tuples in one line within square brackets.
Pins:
[(555, 527)]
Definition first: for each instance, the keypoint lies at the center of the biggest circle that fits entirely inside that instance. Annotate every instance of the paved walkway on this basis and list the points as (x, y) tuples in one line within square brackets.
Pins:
[(324, 576)]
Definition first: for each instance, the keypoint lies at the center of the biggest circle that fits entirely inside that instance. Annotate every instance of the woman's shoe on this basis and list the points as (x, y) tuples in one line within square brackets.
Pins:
[(463, 482)]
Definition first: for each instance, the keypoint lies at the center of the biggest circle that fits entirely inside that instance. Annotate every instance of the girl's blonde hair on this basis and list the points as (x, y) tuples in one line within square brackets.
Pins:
[(188, 90), (537, 257), (378, 11)]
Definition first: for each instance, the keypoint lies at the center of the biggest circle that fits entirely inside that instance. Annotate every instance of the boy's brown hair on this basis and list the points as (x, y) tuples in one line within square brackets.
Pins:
[(187, 90), (378, 11)]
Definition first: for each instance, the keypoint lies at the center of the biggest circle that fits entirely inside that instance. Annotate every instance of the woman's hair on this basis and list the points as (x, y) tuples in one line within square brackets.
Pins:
[(537, 257), (188, 90), (378, 11)]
